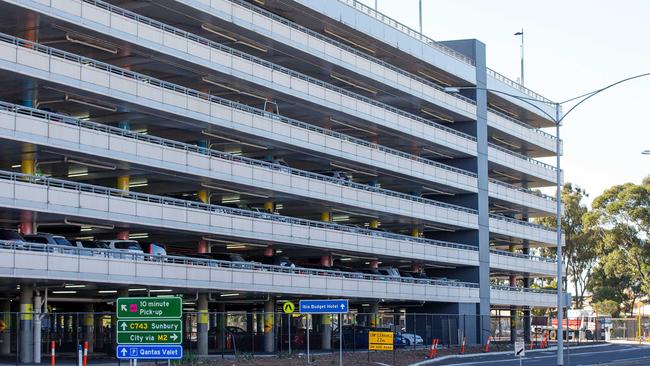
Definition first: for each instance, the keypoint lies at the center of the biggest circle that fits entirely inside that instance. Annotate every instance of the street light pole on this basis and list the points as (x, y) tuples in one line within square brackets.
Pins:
[(521, 79), (558, 230), (558, 121)]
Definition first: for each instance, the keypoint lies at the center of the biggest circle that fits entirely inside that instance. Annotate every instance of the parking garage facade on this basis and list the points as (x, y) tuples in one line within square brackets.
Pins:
[(241, 154)]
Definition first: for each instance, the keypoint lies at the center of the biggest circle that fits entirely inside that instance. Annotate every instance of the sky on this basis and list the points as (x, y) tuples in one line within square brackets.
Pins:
[(571, 47)]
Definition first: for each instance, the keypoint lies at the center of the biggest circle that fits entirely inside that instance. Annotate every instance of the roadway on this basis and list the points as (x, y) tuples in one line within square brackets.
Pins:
[(614, 355)]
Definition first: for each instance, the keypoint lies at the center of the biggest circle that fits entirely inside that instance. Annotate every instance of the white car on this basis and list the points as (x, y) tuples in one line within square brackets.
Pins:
[(410, 339)]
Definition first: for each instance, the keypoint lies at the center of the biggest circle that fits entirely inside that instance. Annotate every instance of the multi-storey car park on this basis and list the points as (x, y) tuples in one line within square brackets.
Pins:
[(315, 131)]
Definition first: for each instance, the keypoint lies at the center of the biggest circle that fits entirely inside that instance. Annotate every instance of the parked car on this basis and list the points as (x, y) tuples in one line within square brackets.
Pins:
[(337, 174), (58, 241), (411, 339), (154, 249), (278, 261), (283, 166), (130, 248), (237, 260), (89, 247), (11, 235)]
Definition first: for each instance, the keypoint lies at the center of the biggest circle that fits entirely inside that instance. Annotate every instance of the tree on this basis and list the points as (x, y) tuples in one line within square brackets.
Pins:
[(609, 307), (579, 255), (620, 289), (622, 218)]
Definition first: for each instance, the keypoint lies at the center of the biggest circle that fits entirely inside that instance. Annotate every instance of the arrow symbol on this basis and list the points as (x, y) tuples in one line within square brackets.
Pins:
[(123, 307), (123, 326), (123, 352), (173, 337)]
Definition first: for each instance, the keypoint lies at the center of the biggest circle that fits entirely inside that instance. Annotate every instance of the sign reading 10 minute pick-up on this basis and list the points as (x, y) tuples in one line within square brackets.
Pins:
[(149, 328)]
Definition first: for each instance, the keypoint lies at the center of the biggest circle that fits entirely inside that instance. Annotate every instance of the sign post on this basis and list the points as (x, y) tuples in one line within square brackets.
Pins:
[(288, 308), (339, 306), (149, 328), (520, 350)]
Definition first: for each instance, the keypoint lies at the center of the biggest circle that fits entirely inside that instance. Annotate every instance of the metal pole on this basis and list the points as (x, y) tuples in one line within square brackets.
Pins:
[(308, 358), (340, 339), (560, 334), (289, 332), (420, 12), (522, 57)]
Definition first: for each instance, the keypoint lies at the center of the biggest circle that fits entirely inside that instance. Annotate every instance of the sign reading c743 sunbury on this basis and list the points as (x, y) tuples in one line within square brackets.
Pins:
[(149, 307)]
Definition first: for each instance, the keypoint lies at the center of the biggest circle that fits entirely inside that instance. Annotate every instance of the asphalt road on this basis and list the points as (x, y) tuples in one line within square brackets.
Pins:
[(614, 355)]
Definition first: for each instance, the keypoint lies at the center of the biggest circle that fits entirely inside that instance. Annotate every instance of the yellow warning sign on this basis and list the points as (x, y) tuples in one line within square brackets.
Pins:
[(380, 341), (288, 307)]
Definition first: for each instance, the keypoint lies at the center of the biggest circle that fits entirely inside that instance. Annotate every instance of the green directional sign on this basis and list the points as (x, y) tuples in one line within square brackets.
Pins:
[(148, 307), (165, 331)]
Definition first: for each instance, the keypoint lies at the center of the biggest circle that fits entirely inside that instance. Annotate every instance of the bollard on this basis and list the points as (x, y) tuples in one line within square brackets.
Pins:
[(434, 348), (85, 362), (79, 352), (462, 346), (52, 354), (487, 345)]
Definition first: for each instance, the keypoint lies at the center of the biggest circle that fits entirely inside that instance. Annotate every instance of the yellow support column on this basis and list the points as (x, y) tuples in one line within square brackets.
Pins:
[(325, 216), (415, 232), (203, 195), (374, 224), (269, 206)]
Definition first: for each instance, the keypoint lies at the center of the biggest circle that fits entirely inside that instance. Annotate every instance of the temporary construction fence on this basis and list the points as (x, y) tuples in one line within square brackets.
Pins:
[(251, 332)]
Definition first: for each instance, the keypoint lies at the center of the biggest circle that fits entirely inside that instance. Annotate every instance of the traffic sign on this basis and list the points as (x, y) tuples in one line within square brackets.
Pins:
[(288, 307), (167, 331), (520, 349), (380, 341), (324, 306), (148, 307), (153, 352)]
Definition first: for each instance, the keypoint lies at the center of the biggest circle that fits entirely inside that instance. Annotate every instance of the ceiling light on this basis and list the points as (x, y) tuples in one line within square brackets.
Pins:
[(353, 127), (74, 175), (91, 43), (506, 142), (138, 236), (214, 30), (97, 226), (107, 291), (16, 166), (430, 76), (217, 188), (346, 259), (340, 218), (233, 140), (345, 167), (436, 115), (353, 83), (505, 175), (224, 86), (341, 37), (74, 286), (91, 104), (230, 295), (160, 290), (437, 152), (64, 292), (438, 191), (137, 289), (235, 246)]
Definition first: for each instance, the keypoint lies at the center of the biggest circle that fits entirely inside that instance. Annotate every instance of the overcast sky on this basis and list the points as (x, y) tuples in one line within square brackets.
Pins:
[(571, 47)]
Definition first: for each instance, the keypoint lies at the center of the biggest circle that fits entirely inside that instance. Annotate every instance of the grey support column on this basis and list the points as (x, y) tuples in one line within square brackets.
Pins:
[(326, 331), (374, 315), (476, 50), (26, 324), (202, 325), (221, 326), (89, 326), (269, 325), (5, 335)]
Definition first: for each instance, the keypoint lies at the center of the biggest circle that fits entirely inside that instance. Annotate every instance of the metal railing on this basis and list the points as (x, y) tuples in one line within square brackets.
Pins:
[(521, 222), (522, 289), (167, 201), (230, 157), (214, 263), (219, 154), (523, 157), (438, 46), (522, 124), (523, 256), (524, 190), (275, 67), (87, 62)]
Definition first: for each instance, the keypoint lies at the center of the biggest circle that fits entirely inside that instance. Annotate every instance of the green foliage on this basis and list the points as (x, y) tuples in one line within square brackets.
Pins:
[(607, 307), (579, 255)]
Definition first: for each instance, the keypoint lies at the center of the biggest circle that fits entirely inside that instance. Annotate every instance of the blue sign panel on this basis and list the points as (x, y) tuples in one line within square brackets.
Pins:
[(152, 352), (323, 306)]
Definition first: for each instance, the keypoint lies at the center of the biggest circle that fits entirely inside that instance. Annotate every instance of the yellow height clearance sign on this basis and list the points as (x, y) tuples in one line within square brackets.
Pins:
[(380, 341)]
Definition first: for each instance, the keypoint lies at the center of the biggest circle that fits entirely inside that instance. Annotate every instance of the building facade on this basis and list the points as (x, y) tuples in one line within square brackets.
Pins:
[(277, 149)]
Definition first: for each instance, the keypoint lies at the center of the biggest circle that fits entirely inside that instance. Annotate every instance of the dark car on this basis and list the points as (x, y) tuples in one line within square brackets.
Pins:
[(10, 235)]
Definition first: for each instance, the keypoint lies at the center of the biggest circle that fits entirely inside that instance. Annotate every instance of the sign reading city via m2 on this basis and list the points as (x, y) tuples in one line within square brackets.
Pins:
[(148, 307), (166, 331)]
